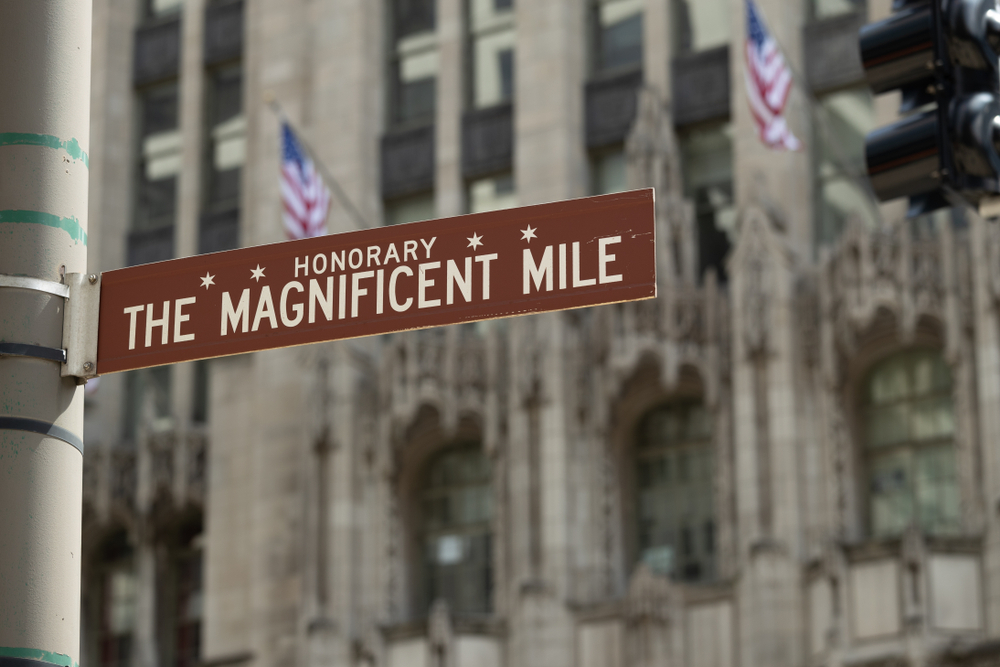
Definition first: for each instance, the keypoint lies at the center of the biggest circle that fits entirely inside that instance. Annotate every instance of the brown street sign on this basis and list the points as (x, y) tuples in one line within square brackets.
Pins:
[(534, 259)]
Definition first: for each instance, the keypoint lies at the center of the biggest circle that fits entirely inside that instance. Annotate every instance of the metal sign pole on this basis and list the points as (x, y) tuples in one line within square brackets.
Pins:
[(44, 175)]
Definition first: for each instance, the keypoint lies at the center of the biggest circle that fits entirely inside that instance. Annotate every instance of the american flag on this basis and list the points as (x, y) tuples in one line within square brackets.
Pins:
[(305, 197), (769, 81)]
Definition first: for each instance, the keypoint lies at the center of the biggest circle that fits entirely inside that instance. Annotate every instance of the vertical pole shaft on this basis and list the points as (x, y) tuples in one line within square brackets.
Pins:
[(44, 145)]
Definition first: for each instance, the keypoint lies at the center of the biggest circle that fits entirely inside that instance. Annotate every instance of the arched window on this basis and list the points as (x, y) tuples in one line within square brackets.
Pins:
[(909, 426), (457, 533), (674, 504)]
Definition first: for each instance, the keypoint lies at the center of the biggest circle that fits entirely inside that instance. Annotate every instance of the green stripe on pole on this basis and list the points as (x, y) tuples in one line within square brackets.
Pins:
[(38, 654), (70, 225), (72, 147)]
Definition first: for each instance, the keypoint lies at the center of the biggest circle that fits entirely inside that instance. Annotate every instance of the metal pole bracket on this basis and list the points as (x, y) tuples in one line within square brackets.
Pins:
[(80, 320)]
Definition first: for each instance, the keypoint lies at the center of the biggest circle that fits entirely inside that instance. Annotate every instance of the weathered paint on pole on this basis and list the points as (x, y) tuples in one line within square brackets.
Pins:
[(44, 145)]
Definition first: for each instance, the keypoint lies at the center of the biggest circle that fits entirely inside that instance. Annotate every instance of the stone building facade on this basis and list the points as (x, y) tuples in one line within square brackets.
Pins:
[(788, 458)]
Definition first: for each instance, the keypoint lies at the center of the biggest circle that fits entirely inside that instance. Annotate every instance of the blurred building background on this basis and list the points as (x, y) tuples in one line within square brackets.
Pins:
[(789, 458)]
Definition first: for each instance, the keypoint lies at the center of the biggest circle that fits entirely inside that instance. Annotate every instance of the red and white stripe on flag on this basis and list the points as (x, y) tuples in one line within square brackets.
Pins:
[(768, 82), (304, 196)]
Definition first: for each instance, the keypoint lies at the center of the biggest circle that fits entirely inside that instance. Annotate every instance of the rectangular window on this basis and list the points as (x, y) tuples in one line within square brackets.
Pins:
[(492, 193), (158, 8), (617, 35), (707, 161), (608, 171), (674, 494), (700, 25), (822, 9), (118, 608), (227, 137), (147, 401), (845, 118), (410, 209), (909, 427), (414, 62), (456, 531), (159, 157), (492, 34), (199, 408)]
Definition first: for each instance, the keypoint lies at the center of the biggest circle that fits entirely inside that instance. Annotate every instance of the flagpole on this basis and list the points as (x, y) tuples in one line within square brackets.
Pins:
[(342, 197)]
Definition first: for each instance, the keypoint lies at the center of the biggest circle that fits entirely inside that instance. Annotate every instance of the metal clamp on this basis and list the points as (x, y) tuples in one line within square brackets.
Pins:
[(82, 292), (35, 284), (42, 428), (80, 320), (36, 351), (8, 349)]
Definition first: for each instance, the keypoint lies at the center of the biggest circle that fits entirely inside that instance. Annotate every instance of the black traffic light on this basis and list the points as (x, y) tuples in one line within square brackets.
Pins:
[(943, 57)]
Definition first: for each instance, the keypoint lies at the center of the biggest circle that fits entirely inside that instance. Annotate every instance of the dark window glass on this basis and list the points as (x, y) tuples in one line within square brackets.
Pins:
[(117, 615), (909, 430), (702, 24), (227, 145), (187, 638), (157, 201), (413, 16), (410, 209), (713, 242), (227, 94), (147, 400), (708, 181), (506, 66), (199, 413), (159, 109), (457, 534), (413, 62), (159, 158), (608, 171), (843, 191), (621, 44), (491, 28), (416, 99), (674, 491)]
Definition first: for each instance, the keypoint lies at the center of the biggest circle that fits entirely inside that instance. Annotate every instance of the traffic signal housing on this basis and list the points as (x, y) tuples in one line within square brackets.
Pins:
[(942, 55)]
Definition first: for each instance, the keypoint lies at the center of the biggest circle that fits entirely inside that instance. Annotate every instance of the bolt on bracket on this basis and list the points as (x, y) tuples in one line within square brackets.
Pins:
[(80, 320)]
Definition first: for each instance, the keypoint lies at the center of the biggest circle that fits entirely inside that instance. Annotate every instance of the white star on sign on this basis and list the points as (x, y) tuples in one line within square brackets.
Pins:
[(475, 241), (257, 273), (209, 279), (528, 234)]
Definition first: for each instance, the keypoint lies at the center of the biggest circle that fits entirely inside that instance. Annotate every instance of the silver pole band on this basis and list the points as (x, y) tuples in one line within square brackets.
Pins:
[(35, 284), (41, 427)]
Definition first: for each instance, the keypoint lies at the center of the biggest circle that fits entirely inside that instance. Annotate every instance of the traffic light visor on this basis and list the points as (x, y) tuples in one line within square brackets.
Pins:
[(904, 158), (898, 51)]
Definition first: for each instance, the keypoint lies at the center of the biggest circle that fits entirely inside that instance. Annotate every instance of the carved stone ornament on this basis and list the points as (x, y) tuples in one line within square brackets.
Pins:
[(840, 444), (885, 253), (808, 309), (752, 273), (651, 597), (651, 147), (439, 632), (755, 306), (905, 274), (688, 321), (653, 160)]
